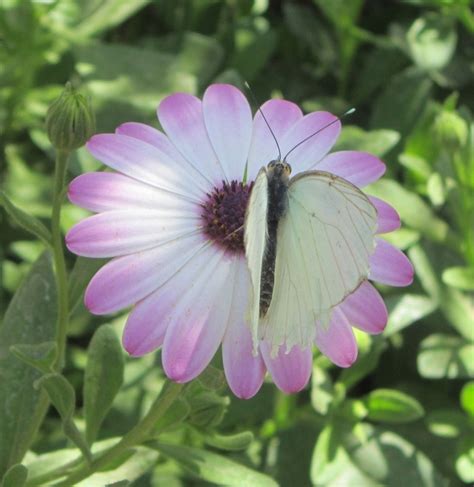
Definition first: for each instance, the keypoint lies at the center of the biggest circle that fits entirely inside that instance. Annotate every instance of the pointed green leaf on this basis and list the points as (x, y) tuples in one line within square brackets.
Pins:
[(445, 356), (406, 309), (402, 102), (391, 406), (29, 320), (25, 220), (413, 211), (388, 459), (459, 277), (237, 442), (16, 476), (377, 142), (41, 356), (103, 378), (214, 468), (63, 398), (447, 423)]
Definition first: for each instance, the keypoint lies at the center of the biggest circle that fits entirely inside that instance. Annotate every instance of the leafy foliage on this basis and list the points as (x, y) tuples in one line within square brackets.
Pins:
[(403, 414)]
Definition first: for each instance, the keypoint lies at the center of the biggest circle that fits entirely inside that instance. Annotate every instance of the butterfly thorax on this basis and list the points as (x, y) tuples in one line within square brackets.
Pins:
[(278, 177)]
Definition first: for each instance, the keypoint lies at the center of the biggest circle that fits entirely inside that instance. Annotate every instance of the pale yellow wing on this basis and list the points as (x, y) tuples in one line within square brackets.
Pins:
[(255, 239), (324, 242)]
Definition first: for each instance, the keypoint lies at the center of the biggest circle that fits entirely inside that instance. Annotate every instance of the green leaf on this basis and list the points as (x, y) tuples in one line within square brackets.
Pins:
[(30, 319), (377, 142), (103, 378), (467, 398), (391, 406), (135, 466), (436, 189), (25, 220), (255, 42), (214, 468), (406, 309), (389, 459), (80, 276), (456, 307), (446, 423), (41, 356), (127, 82), (445, 356), (459, 277), (364, 365), (465, 459), (16, 476), (330, 460), (237, 442), (322, 390), (432, 41), (413, 211), (400, 105), (98, 17), (63, 397)]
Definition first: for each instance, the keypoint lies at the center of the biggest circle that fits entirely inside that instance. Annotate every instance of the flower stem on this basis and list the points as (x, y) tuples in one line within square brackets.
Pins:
[(135, 436), (58, 254)]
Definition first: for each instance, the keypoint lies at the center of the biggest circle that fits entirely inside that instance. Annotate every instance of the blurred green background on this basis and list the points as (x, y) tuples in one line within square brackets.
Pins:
[(403, 415)]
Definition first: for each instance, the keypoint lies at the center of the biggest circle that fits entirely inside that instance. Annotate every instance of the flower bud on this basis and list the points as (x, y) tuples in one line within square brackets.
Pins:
[(70, 121)]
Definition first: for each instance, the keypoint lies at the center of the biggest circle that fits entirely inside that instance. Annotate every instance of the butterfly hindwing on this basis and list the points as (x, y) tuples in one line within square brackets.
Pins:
[(324, 242)]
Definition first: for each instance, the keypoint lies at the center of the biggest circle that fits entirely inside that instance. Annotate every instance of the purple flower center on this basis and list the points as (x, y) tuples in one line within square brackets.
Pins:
[(224, 213)]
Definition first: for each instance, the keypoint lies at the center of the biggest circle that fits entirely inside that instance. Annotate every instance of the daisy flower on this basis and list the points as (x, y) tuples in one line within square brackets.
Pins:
[(171, 215)]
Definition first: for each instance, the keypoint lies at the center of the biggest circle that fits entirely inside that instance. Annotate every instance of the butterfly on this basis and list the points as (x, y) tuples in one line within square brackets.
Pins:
[(308, 240)]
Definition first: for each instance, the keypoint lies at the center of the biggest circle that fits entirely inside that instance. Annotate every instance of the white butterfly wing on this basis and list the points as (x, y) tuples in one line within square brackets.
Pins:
[(255, 239), (324, 242)]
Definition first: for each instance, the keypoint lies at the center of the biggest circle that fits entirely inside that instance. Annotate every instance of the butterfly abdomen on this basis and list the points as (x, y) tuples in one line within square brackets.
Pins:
[(277, 206)]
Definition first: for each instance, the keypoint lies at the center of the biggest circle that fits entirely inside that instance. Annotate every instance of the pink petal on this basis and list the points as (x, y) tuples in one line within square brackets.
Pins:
[(143, 273), (337, 342), (387, 217), (141, 161), (200, 318), (389, 265), (106, 191), (147, 323), (197, 182), (309, 153), (228, 120), (365, 309), (123, 232), (290, 371), (244, 371), (281, 115), (182, 118), (359, 168)]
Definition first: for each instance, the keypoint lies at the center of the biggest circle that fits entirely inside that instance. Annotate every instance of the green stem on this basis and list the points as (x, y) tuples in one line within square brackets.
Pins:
[(58, 253), (135, 436)]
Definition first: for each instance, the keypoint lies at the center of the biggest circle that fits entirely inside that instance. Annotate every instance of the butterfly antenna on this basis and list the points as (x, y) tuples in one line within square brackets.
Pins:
[(254, 99), (337, 119)]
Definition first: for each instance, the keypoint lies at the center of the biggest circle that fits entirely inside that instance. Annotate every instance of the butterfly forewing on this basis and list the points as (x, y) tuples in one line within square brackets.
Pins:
[(255, 238), (324, 242)]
